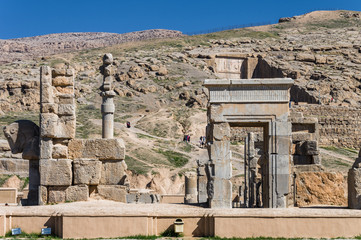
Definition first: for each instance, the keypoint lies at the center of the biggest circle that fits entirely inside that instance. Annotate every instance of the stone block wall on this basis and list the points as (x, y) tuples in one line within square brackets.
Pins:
[(74, 169), (338, 125), (305, 135), (57, 128)]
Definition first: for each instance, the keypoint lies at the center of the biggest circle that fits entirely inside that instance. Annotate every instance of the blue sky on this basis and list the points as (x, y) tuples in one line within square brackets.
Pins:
[(24, 18)]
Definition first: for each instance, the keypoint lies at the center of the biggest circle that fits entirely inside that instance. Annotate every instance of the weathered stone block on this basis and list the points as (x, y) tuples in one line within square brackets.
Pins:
[(56, 172), (43, 195), (46, 148), (64, 90), (67, 127), (191, 192), (221, 131), (54, 127), (142, 197), (354, 188), (46, 93), (66, 98), (113, 172), (283, 144), (103, 149), (48, 125), (148, 198), (58, 72), (77, 193), (49, 108), (45, 74), (301, 136), (223, 169), (283, 128), (222, 194), (60, 151), (66, 109), (87, 171), (115, 192), (310, 148), (56, 195), (219, 151), (63, 81)]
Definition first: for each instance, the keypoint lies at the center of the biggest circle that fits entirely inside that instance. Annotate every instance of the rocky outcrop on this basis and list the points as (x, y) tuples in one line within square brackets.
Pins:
[(320, 188)]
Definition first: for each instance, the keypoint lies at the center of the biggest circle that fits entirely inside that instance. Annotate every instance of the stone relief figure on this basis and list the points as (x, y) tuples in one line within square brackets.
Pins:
[(209, 167), (23, 136)]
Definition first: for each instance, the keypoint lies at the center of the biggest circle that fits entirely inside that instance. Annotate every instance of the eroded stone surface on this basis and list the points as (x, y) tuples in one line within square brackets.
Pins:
[(320, 188), (56, 172), (77, 193), (103, 149), (87, 171), (113, 172), (113, 192)]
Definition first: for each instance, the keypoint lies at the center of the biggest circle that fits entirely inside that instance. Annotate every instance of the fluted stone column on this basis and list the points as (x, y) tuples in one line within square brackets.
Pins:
[(107, 94)]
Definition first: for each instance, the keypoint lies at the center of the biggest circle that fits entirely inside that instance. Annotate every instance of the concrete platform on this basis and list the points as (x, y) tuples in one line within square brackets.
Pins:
[(108, 219)]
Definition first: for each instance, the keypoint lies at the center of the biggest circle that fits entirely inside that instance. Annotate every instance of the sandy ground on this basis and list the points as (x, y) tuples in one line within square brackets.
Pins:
[(111, 208)]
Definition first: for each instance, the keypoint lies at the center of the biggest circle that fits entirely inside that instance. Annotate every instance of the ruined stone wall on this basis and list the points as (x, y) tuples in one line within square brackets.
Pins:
[(18, 96), (74, 169), (57, 128), (338, 125)]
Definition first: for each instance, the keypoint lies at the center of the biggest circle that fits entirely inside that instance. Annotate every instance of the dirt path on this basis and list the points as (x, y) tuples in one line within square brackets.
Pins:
[(337, 155), (134, 136)]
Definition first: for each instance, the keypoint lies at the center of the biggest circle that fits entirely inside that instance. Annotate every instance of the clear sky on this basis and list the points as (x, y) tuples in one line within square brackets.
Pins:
[(25, 18)]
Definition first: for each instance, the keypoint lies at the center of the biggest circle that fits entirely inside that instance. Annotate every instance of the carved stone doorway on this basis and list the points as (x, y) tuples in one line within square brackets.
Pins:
[(249, 103)]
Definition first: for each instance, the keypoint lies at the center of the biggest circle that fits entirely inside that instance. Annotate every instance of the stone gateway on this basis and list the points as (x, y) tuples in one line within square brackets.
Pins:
[(249, 103)]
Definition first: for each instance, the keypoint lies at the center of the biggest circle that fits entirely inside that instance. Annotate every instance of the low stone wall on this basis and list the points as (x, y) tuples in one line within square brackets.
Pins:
[(338, 125), (285, 223)]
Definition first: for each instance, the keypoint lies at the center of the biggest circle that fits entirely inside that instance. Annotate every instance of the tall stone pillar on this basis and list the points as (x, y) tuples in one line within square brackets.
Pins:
[(107, 94), (219, 167), (250, 172), (191, 192), (201, 182), (278, 152), (57, 128)]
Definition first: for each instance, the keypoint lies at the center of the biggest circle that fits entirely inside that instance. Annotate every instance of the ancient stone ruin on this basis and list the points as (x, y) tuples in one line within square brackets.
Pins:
[(73, 169), (256, 103), (63, 168)]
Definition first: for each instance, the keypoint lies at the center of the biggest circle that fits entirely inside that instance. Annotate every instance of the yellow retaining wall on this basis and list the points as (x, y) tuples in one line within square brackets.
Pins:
[(95, 226)]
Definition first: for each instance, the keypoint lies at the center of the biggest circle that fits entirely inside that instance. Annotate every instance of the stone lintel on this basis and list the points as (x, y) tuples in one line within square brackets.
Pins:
[(275, 90), (254, 81)]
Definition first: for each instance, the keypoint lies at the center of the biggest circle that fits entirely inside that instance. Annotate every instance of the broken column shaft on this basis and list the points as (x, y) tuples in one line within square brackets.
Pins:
[(191, 192), (107, 94)]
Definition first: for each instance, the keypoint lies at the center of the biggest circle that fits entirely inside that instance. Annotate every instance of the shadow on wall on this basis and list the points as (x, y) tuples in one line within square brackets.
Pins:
[(264, 70), (299, 94), (240, 66)]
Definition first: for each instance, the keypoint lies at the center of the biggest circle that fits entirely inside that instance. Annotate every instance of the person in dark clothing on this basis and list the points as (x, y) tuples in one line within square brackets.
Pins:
[(128, 124)]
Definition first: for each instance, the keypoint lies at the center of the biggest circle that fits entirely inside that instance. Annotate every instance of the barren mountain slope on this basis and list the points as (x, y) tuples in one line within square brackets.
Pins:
[(41, 46)]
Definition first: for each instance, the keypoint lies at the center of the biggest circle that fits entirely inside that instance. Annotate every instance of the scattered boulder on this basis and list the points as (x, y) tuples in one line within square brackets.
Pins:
[(135, 72), (162, 71)]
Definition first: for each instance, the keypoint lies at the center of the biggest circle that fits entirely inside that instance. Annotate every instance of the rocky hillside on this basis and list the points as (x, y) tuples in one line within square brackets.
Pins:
[(159, 83), (42, 46)]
